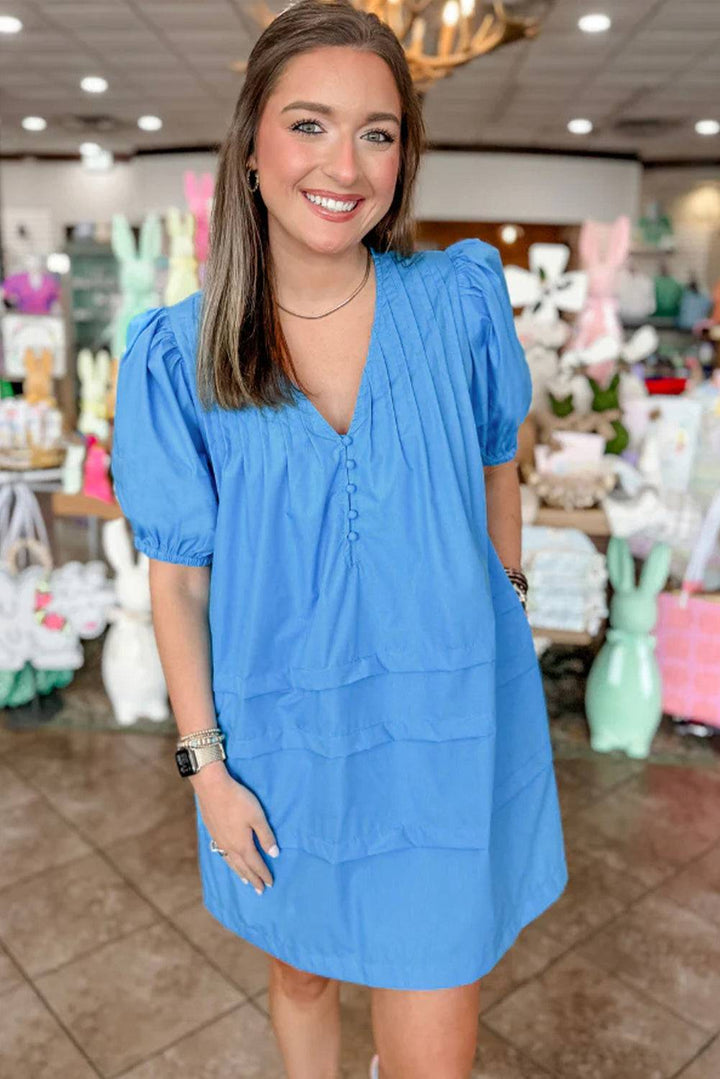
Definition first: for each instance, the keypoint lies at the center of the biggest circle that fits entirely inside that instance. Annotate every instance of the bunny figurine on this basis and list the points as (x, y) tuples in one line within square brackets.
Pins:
[(94, 373), (603, 251), (182, 278), (623, 697), (131, 669), (137, 272), (199, 194), (37, 384)]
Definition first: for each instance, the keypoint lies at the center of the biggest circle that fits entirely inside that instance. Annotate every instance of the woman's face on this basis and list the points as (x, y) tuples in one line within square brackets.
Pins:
[(342, 142)]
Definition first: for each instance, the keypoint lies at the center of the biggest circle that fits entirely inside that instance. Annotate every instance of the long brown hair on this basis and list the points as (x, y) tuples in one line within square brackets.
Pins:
[(243, 358)]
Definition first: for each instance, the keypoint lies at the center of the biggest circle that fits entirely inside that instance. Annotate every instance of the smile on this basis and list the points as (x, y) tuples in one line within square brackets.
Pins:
[(333, 205)]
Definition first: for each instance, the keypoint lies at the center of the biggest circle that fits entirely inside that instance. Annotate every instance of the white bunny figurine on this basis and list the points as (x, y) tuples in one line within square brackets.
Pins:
[(183, 267), (131, 669), (94, 372)]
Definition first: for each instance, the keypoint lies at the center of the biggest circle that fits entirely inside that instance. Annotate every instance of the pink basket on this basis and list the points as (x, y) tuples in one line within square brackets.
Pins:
[(688, 636)]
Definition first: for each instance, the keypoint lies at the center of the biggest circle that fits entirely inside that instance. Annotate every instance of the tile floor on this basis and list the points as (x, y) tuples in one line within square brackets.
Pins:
[(111, 966)]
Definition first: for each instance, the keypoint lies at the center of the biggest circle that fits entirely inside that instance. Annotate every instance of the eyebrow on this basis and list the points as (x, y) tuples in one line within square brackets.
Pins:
[(315, 106)]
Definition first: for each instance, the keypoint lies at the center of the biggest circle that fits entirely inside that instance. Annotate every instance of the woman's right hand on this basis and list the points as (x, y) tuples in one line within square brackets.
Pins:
[(231, 813)]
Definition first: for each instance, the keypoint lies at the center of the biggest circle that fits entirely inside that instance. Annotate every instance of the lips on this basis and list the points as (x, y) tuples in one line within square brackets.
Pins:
[(331, 195)]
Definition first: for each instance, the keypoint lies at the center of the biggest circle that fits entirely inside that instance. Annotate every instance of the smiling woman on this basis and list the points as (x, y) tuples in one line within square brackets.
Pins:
[(371, 666)]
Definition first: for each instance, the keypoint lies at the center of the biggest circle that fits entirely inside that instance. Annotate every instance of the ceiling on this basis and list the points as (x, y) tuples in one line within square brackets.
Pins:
[(659, 63)]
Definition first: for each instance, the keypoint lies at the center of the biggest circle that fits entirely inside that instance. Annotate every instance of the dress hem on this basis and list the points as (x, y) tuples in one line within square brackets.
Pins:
[(384, 975)]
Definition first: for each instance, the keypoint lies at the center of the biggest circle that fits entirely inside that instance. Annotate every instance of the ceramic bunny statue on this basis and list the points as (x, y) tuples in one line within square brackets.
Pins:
[(96, 482), (131, 669), (623, 698), (72, 468), (603, 251), (37, 384), (94, 374), (137, 272), (183, 276), (199, 193)]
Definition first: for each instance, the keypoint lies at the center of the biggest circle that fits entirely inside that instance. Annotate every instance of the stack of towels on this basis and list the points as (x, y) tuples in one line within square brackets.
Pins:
[(567, 580)]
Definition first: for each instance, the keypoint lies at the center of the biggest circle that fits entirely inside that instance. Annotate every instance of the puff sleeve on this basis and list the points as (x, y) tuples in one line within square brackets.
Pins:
[(161, 467), (499, 376)]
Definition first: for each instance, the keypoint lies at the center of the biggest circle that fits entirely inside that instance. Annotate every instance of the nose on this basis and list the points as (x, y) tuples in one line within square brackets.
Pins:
[(342, 163)]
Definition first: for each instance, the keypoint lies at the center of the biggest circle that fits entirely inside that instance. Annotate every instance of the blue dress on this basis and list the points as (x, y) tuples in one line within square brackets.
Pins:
[(372, 667)]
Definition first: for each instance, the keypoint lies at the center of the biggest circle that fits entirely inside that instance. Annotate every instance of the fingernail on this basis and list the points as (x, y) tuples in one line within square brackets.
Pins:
[(274, 851), (270, 884), (259, 891), (244, 880)]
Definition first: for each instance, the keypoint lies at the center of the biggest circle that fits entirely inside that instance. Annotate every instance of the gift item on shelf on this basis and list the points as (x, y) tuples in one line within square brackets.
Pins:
[(183, 267), (546, 288), (566, 580), (44, 614), (137, 272), (688, 634), (37, 334), (603, 252), (34, 292), (96, 481), (131, 669), (623, 692), (655, 228), (72, 468), (571, 472), (31, 434), (636, 296), (694, 306), (705, 469), (94, 372), (668, 295)]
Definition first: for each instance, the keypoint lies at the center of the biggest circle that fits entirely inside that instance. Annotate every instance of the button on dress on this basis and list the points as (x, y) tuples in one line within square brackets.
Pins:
[(372, 667)]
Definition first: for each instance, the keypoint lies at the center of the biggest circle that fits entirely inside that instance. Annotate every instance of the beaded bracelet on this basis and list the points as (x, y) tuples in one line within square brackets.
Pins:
[(519, 582), (202, 738)]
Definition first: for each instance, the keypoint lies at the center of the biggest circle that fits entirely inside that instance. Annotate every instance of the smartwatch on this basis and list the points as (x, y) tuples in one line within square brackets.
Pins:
[(190, 759)]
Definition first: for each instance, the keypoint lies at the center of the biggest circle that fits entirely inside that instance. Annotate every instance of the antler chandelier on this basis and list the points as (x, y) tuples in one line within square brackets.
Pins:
[(437, 38)]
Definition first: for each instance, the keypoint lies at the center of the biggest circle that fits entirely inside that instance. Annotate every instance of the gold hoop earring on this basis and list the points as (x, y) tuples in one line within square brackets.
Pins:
[(257, 180)]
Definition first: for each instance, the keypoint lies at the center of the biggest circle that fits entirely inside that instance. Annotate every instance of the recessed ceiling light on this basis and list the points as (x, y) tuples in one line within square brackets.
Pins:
[(580, 126), (150, 123), (34, 123), (595, 24), (10, 25), (94, 84), (707, 127)]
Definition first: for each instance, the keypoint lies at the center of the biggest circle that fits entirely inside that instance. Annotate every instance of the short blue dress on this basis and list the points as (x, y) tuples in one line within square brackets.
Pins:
[(372, 667)]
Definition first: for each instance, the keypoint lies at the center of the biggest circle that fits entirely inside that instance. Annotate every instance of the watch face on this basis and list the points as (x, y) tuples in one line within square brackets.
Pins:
[(184, 762)]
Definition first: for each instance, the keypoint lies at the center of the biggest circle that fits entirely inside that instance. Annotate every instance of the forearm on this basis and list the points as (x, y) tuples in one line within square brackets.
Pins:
[(504, 516), (180, 621)]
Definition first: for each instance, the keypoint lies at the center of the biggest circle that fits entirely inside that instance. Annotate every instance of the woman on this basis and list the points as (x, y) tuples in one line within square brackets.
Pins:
[(317, 456)]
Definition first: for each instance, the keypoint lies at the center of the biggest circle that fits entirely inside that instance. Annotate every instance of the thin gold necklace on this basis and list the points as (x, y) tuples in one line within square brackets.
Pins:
[(323, 315)]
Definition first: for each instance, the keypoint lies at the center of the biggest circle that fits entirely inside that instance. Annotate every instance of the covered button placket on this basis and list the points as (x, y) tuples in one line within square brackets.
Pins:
[(350, 487)]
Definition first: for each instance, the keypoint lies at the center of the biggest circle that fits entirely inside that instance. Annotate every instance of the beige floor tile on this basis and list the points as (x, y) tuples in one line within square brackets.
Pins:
[(669, 953), (136, 996), (576, 1020), (697, 887), (68, 910), (242, 962), (532, 952), (33, 838), (111, 804), (706, 1065), (10, 974), (14, 791), (241, 1045), (33, 1045), (162, 862), (496, 1059), (47, 756)]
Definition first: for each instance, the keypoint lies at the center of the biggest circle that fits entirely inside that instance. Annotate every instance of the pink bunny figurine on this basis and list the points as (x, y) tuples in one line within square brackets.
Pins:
[(603, 251), (198, 193), (96, 480)]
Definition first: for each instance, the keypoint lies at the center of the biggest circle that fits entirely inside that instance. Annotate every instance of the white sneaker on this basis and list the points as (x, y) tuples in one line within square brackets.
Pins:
[(374, 1072)]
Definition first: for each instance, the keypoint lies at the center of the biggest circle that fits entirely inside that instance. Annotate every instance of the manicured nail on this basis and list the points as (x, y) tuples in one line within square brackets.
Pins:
[(244, 880), (274, 851), (259, 891)]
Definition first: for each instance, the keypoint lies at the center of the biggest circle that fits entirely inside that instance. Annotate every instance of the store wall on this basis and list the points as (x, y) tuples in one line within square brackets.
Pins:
[(692, 199), (458, 186)]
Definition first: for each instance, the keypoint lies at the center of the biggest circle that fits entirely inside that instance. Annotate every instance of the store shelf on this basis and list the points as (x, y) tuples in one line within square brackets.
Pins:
[(66, 505), (592, 522), (564, 636)]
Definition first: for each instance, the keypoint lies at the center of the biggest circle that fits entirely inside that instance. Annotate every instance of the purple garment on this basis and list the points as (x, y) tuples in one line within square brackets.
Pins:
[(18, 289)]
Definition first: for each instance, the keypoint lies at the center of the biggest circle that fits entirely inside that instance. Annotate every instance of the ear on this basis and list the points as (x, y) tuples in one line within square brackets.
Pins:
[(122, 241), (150, 238), (589, 242), (619, 244), (656, 568), (189, 183), (621, 569)]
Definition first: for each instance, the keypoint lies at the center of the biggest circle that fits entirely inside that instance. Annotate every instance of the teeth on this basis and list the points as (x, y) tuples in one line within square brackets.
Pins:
[(330, 204)]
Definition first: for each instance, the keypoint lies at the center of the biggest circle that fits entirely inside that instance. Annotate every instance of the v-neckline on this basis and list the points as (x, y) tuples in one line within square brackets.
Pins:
[(312, 416)]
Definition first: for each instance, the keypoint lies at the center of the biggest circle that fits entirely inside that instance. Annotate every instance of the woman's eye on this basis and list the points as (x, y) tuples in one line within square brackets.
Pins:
[(304, 123)]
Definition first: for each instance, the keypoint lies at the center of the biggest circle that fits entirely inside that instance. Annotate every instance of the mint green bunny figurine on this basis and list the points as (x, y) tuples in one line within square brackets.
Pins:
[(137, 272), (623, 696)]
